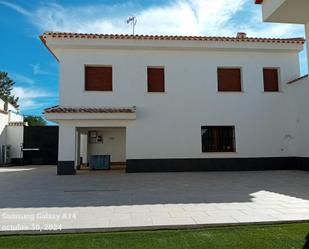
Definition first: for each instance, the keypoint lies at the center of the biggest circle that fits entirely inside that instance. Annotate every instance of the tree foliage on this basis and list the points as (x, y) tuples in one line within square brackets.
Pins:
[(35, 120), (6, 87)]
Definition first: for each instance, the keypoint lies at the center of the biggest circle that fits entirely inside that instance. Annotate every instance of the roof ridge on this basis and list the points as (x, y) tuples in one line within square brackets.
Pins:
[(68, 35)]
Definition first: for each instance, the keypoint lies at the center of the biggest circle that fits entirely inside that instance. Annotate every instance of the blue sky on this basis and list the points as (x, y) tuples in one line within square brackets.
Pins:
[(35, 71)]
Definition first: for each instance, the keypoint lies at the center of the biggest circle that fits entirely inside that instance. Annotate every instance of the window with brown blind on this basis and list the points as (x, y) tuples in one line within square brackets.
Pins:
[(98, 78), (229, 80), (218, 138), (155, 78), (271, 79)]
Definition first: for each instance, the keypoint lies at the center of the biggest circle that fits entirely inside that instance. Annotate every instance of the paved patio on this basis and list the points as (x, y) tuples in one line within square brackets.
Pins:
[(34, 198)]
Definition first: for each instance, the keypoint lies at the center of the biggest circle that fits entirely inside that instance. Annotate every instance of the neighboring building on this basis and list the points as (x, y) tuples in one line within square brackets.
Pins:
[(175, 103), (296, 12), (11, 134), (287, 11)]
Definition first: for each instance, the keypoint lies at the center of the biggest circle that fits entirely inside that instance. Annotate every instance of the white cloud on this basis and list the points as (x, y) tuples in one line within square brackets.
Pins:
[(178, 17), (181, 17), (32, 98), (22, 79), (16, 7), (37, 69)]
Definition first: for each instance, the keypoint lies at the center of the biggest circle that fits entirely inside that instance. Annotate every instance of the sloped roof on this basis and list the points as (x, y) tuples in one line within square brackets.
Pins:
[(59, 109), (65, 35), (298, 79)]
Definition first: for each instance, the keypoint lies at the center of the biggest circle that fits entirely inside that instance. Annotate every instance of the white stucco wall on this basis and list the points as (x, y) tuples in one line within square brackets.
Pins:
[(3, 123), (67, 143), (168, 125), (286, 11), (299, 115), (84, 146), (15, 117), (114, 144), (10, 135), (12, 108), (2, 104), (270, 6)]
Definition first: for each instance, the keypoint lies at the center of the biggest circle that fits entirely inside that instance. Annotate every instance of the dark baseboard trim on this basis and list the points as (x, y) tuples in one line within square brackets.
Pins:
[(17, 161), (303, 163), (66, 168), (216, 164)]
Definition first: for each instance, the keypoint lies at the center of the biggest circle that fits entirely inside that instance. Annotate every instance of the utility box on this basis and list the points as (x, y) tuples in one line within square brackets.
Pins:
[(99, 162)]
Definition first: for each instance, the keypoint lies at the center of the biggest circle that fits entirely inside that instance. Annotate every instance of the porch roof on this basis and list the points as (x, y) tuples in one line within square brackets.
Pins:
[(60, 109), (58, 113)]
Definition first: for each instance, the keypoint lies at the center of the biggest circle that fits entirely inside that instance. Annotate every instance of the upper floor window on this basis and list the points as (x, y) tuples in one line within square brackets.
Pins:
[(155, 78), (271, 79), (98, 78), (229, 80), (218, 138)]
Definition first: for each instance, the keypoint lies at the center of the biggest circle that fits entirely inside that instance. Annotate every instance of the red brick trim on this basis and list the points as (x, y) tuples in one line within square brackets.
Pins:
[(44, 42), (16, 124)]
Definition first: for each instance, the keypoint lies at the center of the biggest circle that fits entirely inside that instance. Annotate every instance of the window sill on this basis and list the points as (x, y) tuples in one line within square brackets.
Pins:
[(220, 152), (97, 91), (230, 92), (272, 92)]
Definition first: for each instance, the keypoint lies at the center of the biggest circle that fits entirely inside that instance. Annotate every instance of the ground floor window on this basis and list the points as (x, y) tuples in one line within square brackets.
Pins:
[(218, 138)]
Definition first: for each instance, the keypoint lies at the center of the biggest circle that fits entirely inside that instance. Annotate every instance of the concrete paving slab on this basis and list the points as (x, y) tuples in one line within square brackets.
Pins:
[(36, 199)]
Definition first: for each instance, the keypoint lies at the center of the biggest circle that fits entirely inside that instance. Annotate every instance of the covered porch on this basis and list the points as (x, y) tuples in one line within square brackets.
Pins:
[(88, 133), (107, 143)]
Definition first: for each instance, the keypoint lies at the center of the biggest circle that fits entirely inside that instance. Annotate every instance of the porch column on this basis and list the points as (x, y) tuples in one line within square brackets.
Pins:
[(67, 150)]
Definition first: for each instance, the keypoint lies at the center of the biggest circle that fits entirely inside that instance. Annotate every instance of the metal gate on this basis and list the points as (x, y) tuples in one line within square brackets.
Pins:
[(40, 145)]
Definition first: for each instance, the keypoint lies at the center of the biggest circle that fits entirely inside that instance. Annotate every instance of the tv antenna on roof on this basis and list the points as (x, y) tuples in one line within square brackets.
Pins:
[(133, 20)]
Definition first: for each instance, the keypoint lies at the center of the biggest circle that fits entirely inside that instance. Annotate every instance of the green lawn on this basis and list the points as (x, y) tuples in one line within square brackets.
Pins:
[(246, 237)]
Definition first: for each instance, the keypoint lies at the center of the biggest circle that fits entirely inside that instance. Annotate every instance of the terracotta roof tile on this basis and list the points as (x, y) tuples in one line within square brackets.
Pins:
[(58, 109), (16, 123), (3, 111), (65, 35)]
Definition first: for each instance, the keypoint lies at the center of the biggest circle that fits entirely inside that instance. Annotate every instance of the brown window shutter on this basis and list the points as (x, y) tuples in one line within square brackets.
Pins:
[(155, 79), (229, 80), (98, 78), (271, 80)]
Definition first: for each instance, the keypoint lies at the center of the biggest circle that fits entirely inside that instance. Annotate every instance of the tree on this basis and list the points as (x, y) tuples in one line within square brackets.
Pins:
[(6, 86), (35, 120)]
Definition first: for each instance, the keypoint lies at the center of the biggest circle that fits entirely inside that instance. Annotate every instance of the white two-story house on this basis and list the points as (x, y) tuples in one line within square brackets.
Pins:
[(178, 103)]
